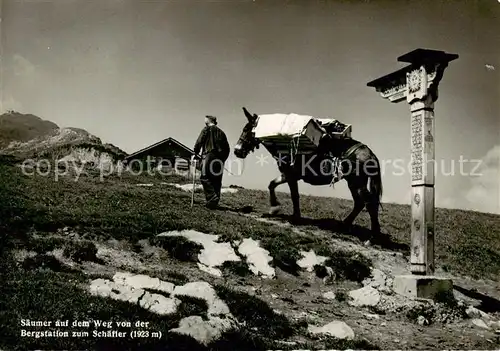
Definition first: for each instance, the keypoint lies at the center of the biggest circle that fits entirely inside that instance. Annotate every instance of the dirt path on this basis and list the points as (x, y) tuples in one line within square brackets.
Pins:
[(391, 330)]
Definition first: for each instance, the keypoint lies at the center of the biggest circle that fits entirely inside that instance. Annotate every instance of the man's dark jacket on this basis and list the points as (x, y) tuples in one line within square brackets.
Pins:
[(213, 140)]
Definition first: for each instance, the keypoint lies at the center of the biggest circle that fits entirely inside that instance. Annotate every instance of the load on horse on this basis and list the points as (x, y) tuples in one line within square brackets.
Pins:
[(317, 151)]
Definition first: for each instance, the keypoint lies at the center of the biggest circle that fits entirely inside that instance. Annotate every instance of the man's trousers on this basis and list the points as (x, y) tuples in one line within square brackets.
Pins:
[(212, 169)]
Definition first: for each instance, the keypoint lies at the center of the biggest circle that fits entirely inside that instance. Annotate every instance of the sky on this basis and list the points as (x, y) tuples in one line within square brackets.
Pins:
[(136, 72)]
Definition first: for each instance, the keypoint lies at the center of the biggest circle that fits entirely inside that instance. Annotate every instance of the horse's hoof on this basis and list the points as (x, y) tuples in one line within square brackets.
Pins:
[(346, 226), (246, 209), (295, 219), (274, 210)]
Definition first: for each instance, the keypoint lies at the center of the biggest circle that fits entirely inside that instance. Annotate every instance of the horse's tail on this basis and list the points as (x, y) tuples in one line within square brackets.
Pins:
[(375, 183)]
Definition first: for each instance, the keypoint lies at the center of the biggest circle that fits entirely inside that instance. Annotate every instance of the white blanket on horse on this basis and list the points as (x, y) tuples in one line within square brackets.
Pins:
[(292, 124), (281, 124), (291, 133)]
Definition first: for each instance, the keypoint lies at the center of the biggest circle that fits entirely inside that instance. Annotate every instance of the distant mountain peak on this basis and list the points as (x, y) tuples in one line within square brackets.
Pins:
[(27, 135)]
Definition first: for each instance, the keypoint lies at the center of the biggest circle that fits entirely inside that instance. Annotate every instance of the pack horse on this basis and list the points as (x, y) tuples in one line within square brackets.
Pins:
[(318, 154)]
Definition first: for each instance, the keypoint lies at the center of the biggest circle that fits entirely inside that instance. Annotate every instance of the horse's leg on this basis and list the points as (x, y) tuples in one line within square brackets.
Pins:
[(275, 205), (294, 193), (358, 195), (374, 198), (372, 208)]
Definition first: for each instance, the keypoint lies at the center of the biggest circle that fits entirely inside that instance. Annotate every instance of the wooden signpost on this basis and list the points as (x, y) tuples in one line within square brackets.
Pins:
[(418, 84)]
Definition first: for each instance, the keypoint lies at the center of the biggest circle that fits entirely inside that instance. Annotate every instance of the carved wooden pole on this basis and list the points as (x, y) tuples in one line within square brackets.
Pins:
[(418, 83)]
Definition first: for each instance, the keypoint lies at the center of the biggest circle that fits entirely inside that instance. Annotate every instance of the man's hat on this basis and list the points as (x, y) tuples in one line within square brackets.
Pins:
[(212, 119)]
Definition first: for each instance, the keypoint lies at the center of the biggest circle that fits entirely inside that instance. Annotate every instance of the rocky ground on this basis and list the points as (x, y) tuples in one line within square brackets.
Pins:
[(346, 310)]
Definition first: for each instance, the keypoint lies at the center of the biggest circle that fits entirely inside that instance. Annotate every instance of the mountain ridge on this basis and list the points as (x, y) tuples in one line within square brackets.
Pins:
[(28, 136)]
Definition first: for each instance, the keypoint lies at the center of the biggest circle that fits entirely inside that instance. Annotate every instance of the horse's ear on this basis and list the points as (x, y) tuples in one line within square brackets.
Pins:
[(247, 114)]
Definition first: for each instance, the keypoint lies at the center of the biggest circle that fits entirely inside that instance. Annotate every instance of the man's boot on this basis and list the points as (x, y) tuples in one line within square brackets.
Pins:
[(213, 203)]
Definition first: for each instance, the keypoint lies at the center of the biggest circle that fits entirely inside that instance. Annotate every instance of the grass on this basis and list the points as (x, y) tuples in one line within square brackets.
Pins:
[(239, 268), (349, 266), (117, 208), (178, 247), (256, 314), (192, 306), (466, 242), (341, 296), (42, 244), (121, 210), (43, 261), (437, 313), (50, 296), (81, 250)]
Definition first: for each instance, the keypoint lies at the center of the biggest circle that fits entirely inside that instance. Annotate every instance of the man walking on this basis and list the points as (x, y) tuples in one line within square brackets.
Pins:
[(216, 151)]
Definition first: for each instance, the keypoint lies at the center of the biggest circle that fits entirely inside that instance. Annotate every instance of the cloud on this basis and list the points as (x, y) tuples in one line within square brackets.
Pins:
[(484, 194), (22, 66), (23, 80), (7, 102)]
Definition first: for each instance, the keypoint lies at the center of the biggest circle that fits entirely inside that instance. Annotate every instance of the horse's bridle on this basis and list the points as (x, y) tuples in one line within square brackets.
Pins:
[(246, 140)]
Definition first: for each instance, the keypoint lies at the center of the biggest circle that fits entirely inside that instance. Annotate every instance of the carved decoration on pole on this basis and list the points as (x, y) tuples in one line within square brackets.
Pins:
[(418, 84)]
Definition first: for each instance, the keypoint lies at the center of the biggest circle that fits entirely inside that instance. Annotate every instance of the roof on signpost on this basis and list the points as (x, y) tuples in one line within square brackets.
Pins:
[(426, 55), (390, 78)]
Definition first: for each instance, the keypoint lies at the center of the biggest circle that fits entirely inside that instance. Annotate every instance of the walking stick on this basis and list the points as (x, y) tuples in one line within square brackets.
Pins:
[(194, 182)]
